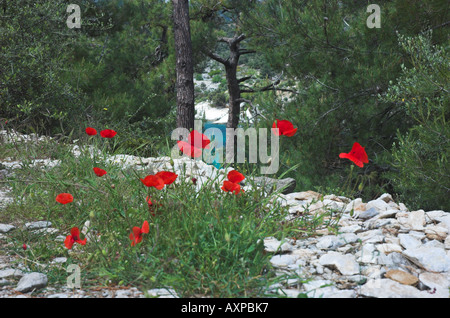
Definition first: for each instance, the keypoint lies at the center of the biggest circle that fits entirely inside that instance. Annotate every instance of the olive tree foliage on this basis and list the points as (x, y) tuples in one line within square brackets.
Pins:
[(339, 65), (35, 43), (421, 155)]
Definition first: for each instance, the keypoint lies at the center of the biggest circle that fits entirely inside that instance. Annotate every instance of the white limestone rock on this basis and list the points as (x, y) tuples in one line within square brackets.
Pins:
[(344, 263), (432, 259)]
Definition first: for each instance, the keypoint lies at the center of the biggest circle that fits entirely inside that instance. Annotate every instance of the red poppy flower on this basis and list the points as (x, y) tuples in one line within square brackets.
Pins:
[(136, 234), (167, 176), (235, 176), (74, 237), (99, 172), (194, 145), (64, 198), (189, 150), (194, 181), (229, 186), (358, 155), (285, 128), (153, 181), (197, 137), (91, 131), (108, 133), (24, 246)]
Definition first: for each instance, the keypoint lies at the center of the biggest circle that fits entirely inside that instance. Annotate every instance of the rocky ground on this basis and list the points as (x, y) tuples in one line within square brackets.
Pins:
[(381, 248)]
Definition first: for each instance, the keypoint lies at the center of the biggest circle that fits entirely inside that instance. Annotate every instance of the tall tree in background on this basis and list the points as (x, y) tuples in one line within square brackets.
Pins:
[(231, 64), (184, 64)]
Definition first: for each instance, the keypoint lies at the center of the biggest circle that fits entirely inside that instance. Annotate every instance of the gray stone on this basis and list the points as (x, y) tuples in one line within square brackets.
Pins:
[(333, 242), (272, 245), (438, 281), (378, 205), (368, 254), (326, 289), (59, 260), (5, 228), (445, 221), (162, 293), (386, 197), (388, 214), (393, 260), (416, 220), (387, 288), (409, 241), (368, 214), (350, 228), (269, 184), (371, 236), (283, 260), (345, 264), (59, 295), (5, 273), (388, 248), (38, 225), (436, 232), (432, 259), (32, 281)]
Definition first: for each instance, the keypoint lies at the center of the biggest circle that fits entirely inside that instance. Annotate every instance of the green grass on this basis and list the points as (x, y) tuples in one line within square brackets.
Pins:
[(201, 244)]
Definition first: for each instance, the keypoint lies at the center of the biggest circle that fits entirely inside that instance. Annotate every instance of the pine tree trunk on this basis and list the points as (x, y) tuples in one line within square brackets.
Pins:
[(234, 91), (184, 65)]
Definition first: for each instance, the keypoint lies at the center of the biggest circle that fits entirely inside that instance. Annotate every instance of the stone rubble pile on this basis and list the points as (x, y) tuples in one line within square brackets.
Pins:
[(381, 248)]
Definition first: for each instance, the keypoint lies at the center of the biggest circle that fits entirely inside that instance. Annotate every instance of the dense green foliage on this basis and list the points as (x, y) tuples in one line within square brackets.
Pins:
[(420, 157), (340, 68), (35, 46), (118, 71)]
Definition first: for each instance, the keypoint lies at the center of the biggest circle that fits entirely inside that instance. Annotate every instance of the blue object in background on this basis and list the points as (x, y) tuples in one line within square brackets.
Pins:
[(217, 134), (212, 130)]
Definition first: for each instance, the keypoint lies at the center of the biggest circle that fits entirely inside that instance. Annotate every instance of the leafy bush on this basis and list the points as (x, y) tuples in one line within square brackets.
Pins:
[(422, 175)]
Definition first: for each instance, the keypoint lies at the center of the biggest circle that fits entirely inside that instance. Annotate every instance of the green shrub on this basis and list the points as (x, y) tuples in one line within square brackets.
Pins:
[(422, 175)]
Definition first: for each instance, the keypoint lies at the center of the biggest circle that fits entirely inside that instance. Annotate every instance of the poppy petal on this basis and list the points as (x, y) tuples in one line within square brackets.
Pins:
[(99, 172), (132, 238), (82, 242), (235, 176), (189, 150), (75, 232), (275, 130), (68, 242), (167, 176), (145, 227), (358, 155), (352, 158), (108, 133), (64, 198), (153, 181), (198, 140), (290, 133), (91, 131), (229, 186)]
